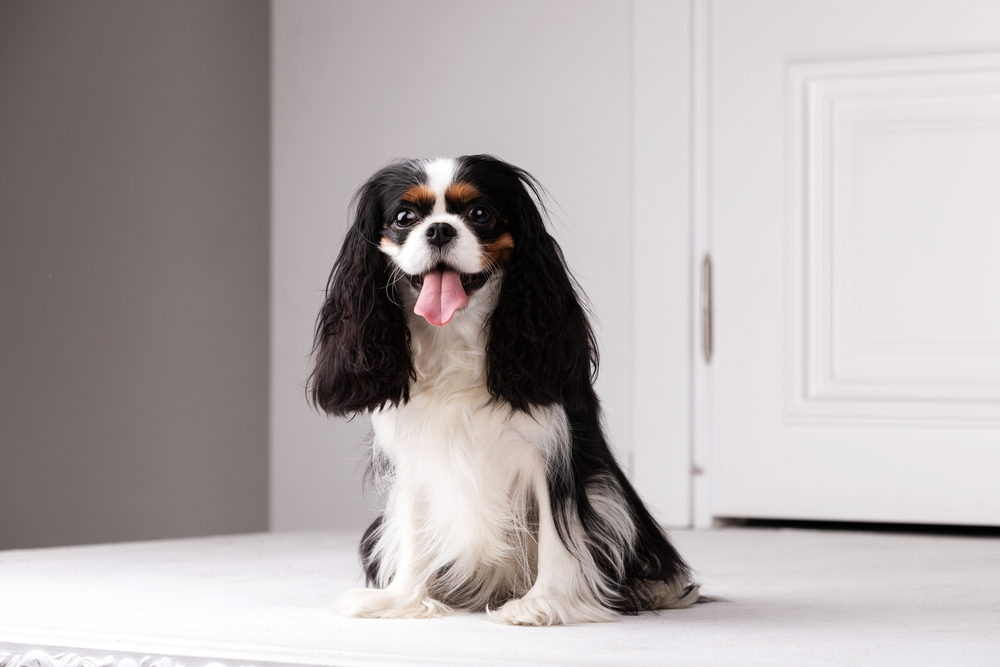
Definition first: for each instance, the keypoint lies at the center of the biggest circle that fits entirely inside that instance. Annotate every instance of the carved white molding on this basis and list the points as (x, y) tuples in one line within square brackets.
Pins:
[(859, 354), (40, 658)]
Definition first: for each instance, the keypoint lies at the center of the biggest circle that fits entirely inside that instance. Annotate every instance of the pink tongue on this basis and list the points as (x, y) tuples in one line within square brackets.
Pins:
[(441, 295)]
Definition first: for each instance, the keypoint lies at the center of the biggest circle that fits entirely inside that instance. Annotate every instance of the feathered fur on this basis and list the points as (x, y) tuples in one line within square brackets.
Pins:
[(501, 492)]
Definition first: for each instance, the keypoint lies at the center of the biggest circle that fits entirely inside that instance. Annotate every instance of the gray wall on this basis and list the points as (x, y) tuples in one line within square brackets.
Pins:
[(134, 210), (546, 85)]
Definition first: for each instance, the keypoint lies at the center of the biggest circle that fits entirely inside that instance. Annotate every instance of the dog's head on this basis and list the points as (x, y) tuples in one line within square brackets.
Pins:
[(444, 229)]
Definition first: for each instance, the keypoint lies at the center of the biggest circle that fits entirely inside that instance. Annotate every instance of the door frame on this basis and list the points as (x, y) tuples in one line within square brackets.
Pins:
[(671, 456)]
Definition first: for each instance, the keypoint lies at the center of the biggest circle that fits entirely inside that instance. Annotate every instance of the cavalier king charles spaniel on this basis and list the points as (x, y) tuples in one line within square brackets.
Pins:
[(451, 318)]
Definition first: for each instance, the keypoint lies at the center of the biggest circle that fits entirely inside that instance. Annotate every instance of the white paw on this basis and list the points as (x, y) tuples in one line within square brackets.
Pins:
[(385, 603), (549, 611)]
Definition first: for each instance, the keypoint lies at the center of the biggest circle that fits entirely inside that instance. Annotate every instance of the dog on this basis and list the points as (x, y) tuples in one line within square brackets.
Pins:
[(450, 317)]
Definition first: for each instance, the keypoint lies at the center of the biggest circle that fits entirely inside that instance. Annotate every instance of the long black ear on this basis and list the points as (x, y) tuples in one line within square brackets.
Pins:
[(362, 343), (541, 349)]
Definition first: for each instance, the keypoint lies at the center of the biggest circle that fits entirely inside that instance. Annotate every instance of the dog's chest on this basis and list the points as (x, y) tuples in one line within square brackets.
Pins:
[(465, 462), (466, 469), (462, 437)]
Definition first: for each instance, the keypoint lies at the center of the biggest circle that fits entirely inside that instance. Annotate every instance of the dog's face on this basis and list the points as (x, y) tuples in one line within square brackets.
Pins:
[(439, 231), (447, 234)]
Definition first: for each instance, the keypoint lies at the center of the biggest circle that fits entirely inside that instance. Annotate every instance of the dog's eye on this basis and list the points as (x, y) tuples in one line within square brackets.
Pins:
[(479, 214), (405, 218)]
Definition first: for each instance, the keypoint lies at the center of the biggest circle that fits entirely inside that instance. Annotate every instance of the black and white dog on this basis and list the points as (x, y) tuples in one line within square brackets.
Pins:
[(450, 316)]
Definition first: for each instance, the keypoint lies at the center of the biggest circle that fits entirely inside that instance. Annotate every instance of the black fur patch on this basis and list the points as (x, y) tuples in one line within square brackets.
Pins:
[(362, 344)]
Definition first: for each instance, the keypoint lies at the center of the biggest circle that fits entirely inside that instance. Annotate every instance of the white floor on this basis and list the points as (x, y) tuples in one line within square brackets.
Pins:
[(794, 598)]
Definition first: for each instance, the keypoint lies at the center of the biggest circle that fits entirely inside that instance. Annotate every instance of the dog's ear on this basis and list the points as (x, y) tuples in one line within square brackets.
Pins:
[(362, 343), (541, 348)]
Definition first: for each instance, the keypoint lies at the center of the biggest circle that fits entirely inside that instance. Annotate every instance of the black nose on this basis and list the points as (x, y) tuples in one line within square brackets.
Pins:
[(440, 233)]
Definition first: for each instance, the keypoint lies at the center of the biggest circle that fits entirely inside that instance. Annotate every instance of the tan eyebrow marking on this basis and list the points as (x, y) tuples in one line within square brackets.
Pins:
[(459, 195), (420, 196)]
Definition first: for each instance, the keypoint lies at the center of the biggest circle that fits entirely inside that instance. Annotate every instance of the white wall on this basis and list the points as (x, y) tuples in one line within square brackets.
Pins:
[(545, 85)]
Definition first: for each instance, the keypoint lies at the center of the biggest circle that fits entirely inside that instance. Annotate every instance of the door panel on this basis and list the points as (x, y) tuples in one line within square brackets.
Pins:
[(855, 226)]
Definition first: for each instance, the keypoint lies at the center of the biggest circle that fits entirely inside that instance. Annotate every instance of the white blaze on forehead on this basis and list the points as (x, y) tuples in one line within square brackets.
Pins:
[(440, 174)]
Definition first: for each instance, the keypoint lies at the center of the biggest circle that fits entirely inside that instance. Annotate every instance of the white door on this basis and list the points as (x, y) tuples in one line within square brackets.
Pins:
[(854, 224)]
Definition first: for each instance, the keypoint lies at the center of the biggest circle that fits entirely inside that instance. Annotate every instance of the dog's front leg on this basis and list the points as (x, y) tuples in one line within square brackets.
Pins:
[(404, 562), (565, 589)]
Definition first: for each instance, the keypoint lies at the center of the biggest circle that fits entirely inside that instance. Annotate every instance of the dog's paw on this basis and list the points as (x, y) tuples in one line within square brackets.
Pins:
[(549, 611), (384, 603), (675, 595), (530, 611)]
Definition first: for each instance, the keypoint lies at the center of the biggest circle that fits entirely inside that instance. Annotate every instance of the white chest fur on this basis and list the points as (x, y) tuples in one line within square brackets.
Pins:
[(463, 466)]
